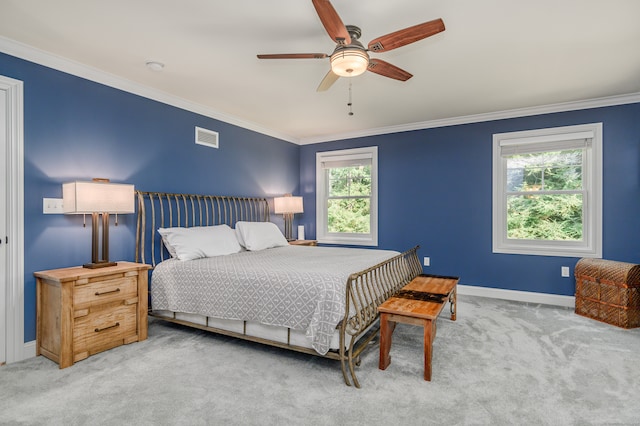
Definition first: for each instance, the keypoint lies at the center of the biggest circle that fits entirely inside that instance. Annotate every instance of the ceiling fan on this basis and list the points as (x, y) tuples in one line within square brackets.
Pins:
[(349, 57)]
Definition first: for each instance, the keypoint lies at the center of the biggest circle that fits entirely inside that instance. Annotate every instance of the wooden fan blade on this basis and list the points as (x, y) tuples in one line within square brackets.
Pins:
[(332, 22), (293, 56), (386, 69), (407, 36), (327, 81)]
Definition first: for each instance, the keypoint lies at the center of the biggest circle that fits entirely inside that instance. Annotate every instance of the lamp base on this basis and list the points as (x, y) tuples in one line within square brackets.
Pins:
[(96, 265)]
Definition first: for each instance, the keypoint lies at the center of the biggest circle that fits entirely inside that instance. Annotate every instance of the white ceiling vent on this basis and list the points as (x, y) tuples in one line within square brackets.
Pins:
[(206, 137)]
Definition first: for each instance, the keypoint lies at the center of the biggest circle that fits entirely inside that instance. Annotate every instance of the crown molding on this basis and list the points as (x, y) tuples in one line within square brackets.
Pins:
[(29, 53), (32, 54), (478, 118)]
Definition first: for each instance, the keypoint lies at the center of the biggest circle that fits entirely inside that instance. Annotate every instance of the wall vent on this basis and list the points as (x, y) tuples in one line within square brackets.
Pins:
[(206, 137)]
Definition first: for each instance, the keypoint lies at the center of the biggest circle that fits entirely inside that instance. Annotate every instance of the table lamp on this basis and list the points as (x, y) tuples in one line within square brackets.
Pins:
[(98, 197), (288, 206)]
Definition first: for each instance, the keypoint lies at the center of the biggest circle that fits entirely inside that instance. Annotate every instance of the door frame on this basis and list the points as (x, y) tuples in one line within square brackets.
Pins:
[(14, 274)]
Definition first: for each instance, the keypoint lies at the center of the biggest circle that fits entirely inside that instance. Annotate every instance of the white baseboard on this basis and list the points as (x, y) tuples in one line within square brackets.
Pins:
[(29, 350), (519, 296)]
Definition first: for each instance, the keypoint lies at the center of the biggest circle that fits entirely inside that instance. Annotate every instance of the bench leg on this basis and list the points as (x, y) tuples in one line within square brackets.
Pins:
[(428, 347), (386, 331), (453, 303)]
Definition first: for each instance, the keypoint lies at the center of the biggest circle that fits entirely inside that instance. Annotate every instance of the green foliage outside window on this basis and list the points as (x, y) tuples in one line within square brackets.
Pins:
[(544, 198), (545, 217), (349, 201)]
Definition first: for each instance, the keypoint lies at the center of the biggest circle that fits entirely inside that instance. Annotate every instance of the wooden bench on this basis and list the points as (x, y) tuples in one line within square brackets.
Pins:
[(418, 303)]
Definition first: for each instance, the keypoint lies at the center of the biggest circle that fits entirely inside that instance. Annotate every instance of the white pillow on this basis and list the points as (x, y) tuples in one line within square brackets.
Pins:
[(165, 241), (200, 241), (256, 236)]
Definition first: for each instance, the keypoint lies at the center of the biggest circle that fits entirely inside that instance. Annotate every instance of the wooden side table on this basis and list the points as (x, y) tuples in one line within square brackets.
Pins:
[(303, 242), (83, 311), (418, 303)]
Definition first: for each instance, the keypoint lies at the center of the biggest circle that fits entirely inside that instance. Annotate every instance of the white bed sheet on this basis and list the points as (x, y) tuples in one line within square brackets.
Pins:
[(297, 287)]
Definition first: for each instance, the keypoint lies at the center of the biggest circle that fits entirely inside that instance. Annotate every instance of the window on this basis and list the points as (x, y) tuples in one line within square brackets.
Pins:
[(547, 191), (347, 200)]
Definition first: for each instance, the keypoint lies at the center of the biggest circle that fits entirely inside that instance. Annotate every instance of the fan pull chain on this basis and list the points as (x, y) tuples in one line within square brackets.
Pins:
[(350, 104)]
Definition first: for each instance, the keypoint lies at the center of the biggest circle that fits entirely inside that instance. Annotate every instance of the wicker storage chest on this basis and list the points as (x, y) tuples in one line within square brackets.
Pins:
[(608, 291)]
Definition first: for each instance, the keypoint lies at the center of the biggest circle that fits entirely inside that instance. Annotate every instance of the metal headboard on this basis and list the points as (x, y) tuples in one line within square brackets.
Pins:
[(164, 210)]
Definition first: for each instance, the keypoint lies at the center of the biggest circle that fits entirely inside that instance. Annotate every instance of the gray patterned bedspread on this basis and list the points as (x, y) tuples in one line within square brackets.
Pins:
[(299, 287)]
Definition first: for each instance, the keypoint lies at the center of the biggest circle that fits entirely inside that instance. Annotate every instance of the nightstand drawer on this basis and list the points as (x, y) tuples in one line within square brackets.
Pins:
[(104, 329), (99, 292)]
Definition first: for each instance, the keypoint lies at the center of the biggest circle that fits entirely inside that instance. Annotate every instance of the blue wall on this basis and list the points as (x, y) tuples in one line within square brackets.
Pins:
[(435, 191), (76, 129), (435, 184)]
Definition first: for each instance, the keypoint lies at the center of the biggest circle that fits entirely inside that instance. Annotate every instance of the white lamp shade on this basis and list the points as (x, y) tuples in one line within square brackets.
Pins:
[(349, 62), (284, 205), (97, 197)]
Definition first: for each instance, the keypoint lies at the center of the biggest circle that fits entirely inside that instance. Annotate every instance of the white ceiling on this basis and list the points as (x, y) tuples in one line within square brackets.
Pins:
[(495, 55)]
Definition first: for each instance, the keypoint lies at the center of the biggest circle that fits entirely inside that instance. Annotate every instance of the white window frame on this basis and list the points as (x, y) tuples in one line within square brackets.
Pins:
[(550, 138), (322, 234)]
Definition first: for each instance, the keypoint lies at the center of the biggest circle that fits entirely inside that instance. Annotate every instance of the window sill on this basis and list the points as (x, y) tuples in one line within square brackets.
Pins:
[(547, 251), (348, 241)]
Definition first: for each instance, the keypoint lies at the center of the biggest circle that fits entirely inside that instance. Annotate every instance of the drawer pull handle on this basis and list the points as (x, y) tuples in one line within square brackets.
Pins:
[(98, 330), (117, 290)]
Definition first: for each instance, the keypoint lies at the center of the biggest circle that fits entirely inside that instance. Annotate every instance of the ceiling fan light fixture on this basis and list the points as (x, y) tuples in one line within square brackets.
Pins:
[(349, 62)]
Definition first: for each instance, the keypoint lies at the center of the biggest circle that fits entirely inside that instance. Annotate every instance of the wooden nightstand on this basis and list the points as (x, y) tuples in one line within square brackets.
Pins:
[(85, 311), (303, 242)]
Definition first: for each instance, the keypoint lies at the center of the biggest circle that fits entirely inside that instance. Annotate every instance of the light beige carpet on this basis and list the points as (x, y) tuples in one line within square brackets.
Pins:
[(500, 363)]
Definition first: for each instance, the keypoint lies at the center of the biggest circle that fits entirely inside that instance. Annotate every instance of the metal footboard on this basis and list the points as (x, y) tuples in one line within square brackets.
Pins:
[(365, 291)]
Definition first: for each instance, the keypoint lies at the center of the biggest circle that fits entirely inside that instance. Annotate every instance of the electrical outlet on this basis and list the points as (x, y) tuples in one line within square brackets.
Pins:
[(427, 261), (52, 206), (564, 271)]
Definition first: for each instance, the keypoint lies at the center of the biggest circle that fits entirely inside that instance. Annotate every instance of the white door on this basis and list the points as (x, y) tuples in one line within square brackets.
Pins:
[(12, 346), (3, 226)]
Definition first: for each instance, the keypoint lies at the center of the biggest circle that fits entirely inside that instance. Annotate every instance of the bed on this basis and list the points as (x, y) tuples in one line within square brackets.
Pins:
[(317, 300)]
